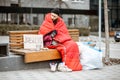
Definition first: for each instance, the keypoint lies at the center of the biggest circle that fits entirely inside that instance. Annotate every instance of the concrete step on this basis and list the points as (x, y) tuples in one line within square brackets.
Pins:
[(16, 62)]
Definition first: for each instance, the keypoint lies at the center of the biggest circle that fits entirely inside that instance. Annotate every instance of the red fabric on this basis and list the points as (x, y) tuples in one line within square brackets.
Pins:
[(67, 47)]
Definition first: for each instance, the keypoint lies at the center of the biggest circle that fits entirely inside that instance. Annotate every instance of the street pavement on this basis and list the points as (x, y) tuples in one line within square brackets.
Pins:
[(106, 73), (111, 72)]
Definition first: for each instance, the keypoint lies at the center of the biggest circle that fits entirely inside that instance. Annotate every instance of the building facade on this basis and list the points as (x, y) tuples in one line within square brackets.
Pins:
[(36, 19), (113, 13)]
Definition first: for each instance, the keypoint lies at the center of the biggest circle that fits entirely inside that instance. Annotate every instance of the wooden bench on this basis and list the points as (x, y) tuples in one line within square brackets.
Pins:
[(16, 46)]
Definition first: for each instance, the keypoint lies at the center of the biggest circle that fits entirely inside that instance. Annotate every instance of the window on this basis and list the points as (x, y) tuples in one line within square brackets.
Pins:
[(69, 21), (79, 1)]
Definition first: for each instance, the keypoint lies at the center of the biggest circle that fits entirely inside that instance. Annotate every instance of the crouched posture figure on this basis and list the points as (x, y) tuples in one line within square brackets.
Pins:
[(57, 36)]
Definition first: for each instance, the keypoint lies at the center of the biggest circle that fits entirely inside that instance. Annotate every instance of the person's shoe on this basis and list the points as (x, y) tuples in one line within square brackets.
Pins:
[(62, 67), (53, 66), (67, 69)]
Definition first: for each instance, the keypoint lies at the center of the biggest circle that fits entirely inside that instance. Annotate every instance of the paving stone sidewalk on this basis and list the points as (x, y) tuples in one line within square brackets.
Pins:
[(106, 73)]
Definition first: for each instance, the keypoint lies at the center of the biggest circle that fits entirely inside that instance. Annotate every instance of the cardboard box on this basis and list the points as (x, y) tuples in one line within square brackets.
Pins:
[(33, 41)]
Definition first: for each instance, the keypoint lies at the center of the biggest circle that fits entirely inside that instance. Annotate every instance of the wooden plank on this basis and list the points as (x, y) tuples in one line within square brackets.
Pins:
[(76, 40), (16, 38), (35, 31), (16, 41), (18, 51), (24, 32), (50, 54), (16, 35), (20, 34), (35, 56), (15, 45), (73, 30), (74, 33), (75, 37), (23, 51)]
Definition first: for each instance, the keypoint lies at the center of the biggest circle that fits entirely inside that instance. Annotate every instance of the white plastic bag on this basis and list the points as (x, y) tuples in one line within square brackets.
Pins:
[(90, 57)]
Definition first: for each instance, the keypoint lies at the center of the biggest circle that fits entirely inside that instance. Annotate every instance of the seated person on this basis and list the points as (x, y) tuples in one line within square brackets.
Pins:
[(56, 36)]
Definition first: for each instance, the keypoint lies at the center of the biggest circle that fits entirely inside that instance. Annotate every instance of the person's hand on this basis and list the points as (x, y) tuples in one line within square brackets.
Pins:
[(54, 32)]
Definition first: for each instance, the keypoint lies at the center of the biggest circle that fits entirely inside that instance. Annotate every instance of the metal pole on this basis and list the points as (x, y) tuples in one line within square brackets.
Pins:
[(31, 14), (99, 24), (18, 17)]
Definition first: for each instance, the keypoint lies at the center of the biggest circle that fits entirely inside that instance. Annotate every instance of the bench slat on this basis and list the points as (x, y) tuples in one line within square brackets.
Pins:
[(74, 33), (18, 51), (19, 35), (16, 38), (50, 54), (16, 41), (35, 56), (24, 32), (15, 45)]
